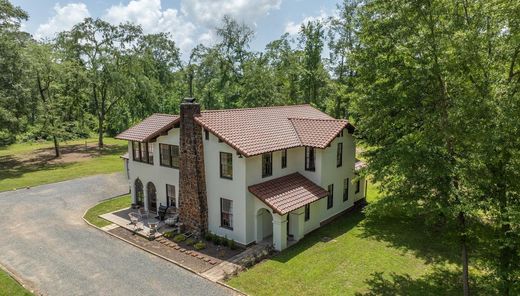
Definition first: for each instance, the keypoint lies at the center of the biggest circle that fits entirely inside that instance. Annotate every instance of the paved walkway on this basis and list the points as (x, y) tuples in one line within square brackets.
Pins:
[(45, 241)]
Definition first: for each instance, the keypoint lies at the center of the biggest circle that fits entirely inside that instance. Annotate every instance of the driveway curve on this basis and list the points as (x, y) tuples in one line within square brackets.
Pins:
[(44, 239)]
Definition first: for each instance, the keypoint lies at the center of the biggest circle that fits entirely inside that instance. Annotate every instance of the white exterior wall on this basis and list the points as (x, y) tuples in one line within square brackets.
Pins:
[(217, 187), (157, 174)]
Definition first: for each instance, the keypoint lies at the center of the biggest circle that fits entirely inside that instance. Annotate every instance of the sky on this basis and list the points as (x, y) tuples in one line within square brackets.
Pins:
[(190, 22)]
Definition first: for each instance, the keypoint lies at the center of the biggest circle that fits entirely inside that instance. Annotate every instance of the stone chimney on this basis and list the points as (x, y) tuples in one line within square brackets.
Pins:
[(193, 204)]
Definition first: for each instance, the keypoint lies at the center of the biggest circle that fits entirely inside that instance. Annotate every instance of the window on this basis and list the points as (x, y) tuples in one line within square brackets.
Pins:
[(307, 212), (358, 186), (284, 159), (142, 152), (226, 213), (330, 196), (267, 165), (206, 134), (309, 159), (170, 196), (346, 184), (169, 155), (226, 165), (150, 153), (136, 154), (339, 155)]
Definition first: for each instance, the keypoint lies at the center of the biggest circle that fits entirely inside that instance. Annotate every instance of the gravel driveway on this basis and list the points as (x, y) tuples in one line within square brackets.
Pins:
[(44, 240)]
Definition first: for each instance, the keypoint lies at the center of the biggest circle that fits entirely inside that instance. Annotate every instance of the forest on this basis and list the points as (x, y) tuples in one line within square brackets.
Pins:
[(432, 86)]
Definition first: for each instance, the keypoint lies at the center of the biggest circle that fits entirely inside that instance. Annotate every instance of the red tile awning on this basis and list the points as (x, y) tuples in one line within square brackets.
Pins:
[(288, 193)]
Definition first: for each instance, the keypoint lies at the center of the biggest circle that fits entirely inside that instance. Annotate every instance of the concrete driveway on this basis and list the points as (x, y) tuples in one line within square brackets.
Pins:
[(44, 240)]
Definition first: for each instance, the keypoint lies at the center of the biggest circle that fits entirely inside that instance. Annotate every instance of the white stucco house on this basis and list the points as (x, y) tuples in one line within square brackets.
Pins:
[(270, 173)]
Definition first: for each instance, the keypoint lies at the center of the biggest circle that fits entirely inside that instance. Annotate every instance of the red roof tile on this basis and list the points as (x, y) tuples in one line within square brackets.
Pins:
[(317, 132), (254, 131), (288, 193), (149, 128)]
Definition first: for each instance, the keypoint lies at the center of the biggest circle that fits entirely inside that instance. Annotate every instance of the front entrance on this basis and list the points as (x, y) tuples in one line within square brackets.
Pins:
[(152, 198), (264, 226), (139, 193)]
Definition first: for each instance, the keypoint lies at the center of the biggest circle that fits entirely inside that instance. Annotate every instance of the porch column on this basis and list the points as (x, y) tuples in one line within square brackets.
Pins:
[(132, 192), (279, 232), (145, 193), (296, 221)]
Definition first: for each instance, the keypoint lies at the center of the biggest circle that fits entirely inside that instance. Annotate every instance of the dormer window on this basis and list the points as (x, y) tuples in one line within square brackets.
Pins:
[(309, 159)]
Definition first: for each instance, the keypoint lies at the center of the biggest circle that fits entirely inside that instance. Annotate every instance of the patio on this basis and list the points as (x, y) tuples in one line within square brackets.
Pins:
[(147, 225)]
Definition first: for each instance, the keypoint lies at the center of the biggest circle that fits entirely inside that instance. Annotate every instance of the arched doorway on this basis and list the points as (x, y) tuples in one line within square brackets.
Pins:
[(139, 192), (264, 226), (152, 197)]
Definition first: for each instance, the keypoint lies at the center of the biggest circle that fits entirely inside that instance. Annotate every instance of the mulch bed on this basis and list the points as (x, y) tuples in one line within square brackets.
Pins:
[(217, 252), (195, 260)]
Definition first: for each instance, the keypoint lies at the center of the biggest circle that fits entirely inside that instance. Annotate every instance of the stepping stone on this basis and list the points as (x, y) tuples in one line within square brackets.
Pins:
[(207, 259), (176, 247), (200, 256), (188, 252), (212, 262), (182, 250), (193, 255)]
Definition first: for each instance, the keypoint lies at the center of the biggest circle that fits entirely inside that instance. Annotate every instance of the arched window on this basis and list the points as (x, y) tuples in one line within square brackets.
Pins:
[(139, 192), (152, 197)]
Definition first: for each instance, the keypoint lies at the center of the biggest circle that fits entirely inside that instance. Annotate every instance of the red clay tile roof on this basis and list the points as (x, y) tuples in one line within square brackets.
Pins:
[(254, 131), (149, 128), (317, 132), (288, 193)]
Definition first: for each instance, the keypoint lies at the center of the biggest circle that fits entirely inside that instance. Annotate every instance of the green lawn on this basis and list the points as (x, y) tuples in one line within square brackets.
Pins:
[(29, 164), (364, 256), (107, 206), (9, 287)]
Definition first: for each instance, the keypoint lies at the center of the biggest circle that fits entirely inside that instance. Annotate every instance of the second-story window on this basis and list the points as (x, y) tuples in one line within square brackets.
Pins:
[(206, 134), (169, 155), (267, 165), (309, 159), (226, 165), (330, 196), (142, 152), (284, 159), (307, 212), (358, 186), (346, 184), (339, 155)]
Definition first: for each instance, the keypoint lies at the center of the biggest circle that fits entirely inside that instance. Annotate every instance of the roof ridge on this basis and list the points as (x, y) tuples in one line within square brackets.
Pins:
[(164, 114), (256, 108), (317, 119), (296, 132)]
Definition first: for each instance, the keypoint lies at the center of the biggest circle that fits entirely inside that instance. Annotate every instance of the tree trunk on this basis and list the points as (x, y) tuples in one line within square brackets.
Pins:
[(465, 264), (56, 147), (101, 120)]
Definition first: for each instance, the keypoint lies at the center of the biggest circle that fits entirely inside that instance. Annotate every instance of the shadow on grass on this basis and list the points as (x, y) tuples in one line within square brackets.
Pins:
[(43, 159), (441, 281)]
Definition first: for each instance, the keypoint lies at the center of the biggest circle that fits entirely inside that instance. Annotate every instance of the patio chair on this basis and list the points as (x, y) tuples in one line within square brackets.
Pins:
[(143, 214), (134, 219)]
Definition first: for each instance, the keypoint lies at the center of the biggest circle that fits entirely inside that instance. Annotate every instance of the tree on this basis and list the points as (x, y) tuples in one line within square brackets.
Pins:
[(311, 39), (104, 51), (343, 41), (14, 92)]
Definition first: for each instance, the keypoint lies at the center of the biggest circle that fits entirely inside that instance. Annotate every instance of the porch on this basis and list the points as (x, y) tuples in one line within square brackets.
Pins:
[(147, 225), (282, 221)]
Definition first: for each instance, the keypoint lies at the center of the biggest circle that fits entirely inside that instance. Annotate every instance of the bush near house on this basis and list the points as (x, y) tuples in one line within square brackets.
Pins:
[(199, 246), (179, 238)]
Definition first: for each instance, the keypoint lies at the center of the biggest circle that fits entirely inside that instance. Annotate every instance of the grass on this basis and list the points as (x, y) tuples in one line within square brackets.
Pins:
[(30, 164), (104, 207), (9, 287), (364, 256)]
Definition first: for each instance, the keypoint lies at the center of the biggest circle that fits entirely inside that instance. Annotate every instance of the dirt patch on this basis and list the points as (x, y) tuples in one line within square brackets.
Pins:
[(69, 154)]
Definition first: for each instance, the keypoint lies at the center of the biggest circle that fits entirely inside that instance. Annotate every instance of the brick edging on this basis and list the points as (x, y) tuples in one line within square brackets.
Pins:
[(159, 255), (20, 281)]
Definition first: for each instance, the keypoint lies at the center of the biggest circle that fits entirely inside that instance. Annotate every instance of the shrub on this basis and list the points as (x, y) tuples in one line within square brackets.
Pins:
[(216, 240), (232, 244), (200, 245), (225, 241), (208, 236), (179, 238), (190, 241), (168, 234)]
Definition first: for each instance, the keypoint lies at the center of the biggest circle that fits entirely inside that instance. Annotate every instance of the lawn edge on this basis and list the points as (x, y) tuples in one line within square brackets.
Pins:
[(44, 184), (156, 254), (19, 279)]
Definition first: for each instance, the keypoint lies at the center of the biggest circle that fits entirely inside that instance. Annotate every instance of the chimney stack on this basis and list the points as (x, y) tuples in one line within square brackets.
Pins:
[(193, 204)]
